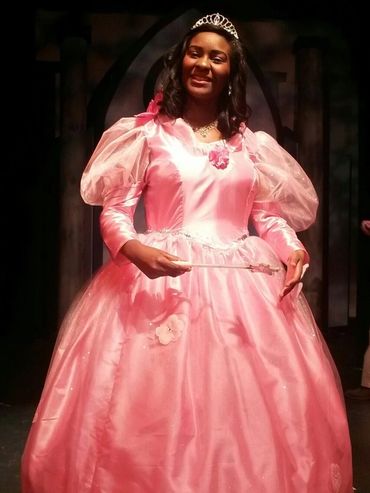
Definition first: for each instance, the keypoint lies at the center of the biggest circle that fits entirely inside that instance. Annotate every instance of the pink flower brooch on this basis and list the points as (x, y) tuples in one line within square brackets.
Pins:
[(170, 330), (219, 157)]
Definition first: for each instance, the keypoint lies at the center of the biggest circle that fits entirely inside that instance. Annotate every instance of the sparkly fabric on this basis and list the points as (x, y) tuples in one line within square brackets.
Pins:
[(206, 382)]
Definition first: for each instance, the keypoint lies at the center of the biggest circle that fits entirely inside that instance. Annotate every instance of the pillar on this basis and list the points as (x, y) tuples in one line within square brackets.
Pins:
[(312, 132), (75, 215)]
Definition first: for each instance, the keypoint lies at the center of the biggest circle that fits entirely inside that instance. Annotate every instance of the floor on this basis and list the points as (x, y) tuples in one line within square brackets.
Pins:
[(15, 420)]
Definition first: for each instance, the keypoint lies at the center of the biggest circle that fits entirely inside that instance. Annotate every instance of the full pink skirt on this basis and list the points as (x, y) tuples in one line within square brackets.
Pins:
[(203, 383)]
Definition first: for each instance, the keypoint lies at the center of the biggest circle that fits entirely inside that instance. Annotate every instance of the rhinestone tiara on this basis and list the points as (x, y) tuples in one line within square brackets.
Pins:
[(219, 21)]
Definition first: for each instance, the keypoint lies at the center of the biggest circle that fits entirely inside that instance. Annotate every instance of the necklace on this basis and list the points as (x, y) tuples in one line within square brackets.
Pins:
[(204, 129)]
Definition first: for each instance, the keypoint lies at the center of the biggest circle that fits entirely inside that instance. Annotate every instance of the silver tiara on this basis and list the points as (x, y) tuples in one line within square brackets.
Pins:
[(219, 21)]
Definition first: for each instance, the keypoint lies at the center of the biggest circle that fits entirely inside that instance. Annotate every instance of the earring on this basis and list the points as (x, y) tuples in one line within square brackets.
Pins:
[(229, 91)]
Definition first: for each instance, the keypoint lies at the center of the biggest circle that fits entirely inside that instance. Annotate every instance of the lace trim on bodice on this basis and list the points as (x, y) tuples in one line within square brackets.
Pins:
[(205, 240)]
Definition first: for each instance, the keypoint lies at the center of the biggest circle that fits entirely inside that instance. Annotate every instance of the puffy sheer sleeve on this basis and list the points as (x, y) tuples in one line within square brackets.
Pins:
[(285, 202), (114, 178)]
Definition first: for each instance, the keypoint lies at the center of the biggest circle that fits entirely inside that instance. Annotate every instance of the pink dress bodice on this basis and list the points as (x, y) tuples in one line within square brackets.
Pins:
[(211, 191)]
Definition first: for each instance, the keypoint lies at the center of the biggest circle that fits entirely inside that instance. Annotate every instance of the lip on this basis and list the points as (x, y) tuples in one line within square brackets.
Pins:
[(200, 80)]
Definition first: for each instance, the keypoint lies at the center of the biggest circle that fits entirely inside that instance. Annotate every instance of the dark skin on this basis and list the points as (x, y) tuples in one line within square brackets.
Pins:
[(205, 74), (206, 69), (294, 271), (153, 262)]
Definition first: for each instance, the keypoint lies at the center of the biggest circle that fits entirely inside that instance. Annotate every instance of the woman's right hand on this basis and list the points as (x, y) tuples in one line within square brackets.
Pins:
[(365, 226), (153, 262)]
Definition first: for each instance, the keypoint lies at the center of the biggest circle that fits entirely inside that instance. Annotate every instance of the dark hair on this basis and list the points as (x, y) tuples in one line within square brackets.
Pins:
[(233, 108)]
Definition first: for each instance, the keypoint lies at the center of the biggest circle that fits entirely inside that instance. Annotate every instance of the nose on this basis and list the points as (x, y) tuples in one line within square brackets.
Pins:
[(203, 62)]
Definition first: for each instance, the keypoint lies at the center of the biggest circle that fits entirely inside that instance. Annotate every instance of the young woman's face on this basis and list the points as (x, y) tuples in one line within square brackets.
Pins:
[(206, 66)]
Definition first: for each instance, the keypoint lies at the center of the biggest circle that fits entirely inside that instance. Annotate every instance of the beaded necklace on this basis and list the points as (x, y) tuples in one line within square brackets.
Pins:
[(204, 129)]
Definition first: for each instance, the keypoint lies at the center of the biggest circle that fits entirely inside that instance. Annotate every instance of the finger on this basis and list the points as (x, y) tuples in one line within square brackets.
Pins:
[(296, 275), (177, 272), (292, 277), (174, 266), (287, 289), (174, 269), (182, 263), (171, 257)]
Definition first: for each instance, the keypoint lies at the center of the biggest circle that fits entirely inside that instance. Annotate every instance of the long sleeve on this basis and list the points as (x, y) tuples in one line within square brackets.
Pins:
[(285, 202), (277, 232), (114, 178)]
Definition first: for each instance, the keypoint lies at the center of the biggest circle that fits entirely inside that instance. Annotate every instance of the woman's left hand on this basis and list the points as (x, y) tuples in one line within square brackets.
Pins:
[(294, 271)]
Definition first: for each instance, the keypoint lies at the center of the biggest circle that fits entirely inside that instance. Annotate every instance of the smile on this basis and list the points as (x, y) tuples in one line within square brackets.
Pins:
[(200, 80)]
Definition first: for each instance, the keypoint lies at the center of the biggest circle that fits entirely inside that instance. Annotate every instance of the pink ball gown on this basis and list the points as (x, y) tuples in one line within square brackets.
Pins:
[(203, 383)]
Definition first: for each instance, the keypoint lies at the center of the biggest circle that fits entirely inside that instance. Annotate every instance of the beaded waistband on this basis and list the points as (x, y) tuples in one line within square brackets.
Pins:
[(207, 240)]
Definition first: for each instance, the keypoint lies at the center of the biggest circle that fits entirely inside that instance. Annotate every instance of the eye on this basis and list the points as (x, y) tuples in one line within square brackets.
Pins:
[(218, 57), (193, 54)]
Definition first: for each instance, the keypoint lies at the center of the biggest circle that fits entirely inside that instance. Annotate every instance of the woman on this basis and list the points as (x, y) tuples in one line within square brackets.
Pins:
[(192, 363), (362, 393)]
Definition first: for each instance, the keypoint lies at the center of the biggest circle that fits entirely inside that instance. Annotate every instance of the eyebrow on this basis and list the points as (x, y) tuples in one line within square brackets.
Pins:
[(212, 51)]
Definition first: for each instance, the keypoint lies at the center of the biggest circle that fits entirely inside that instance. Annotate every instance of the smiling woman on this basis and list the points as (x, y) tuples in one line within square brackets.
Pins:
[(191, 362), (206, 66)]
